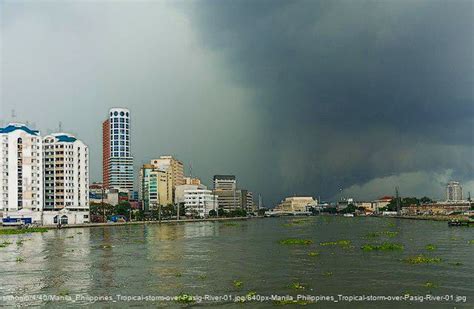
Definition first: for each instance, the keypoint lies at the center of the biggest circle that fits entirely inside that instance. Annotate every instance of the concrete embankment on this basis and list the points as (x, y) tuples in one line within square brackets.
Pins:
[(147, 222)]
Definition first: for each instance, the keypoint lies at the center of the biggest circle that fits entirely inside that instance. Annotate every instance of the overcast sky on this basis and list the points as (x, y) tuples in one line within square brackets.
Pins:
[(293, 97)]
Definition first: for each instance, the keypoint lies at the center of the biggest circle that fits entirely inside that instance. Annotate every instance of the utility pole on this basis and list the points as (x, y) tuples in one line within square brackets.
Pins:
[(102, 203)]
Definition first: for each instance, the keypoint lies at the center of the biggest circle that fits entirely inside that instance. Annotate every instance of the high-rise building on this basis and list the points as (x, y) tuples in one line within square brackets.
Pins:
[(66, 179), (225, 187), (454, 191), (199, 202), (155, 187), (117, 159), (174, 166), (21, 173)]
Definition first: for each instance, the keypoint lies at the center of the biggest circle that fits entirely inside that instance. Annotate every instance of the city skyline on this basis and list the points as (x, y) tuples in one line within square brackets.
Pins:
[(323, 104)]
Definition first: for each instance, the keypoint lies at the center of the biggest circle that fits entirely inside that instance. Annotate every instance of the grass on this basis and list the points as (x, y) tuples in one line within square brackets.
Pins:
[(422, 259), (237, 283), (297, 286), (313, 253), (296, 241), (184, 298), (430, 247), (341, 243), (23, 231), (386, 246)]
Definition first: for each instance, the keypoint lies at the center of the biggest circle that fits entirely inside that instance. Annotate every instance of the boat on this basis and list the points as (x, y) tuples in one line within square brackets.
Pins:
[(348, 215)]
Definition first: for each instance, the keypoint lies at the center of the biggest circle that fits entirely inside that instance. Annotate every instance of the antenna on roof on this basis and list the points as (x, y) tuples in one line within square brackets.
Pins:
[(190, 170), (60, 127), (13, 114), (398, 202)]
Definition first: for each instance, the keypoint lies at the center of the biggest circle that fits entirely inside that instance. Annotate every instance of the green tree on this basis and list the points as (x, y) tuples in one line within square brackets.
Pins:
[(123, 208), (351, 208)]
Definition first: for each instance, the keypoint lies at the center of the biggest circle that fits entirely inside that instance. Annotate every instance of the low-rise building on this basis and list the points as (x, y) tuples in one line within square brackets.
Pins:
[(199, 202), (296, 204)]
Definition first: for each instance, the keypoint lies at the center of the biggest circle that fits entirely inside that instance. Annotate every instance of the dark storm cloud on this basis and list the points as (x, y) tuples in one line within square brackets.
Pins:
[(352, 90), (294, 97)]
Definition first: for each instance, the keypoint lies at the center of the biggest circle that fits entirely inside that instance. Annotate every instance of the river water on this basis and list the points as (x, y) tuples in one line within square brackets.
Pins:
[(226, 260)]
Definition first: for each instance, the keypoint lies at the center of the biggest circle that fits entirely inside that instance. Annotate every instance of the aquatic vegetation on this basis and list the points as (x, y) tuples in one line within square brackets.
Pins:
[(202, 277), (4, 244), (19, 242), (237, 283), (63, 293), (79, 233), (106, 246), (20, 259), (178, 274), (70, 237), (391, 224), (471, 242), (390, 234), (230, 224), (422, 259), (23, 231), (430, 247), (327, 273), (456, 263), (297, 286), (430, 285), (295, 241), (341, 243), (313, 253), (386, 246), (185, 299)]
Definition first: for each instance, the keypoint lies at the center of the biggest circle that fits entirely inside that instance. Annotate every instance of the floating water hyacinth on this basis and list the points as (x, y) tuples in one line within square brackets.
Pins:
[(297, 286), (342, 243), (386, 246), (384, 233), (20, 259), (230, 224), (184, 298), (430, 247), (430, 285), (237, 283), (313, 253), (421, 259), (295, 241), (4, 244)]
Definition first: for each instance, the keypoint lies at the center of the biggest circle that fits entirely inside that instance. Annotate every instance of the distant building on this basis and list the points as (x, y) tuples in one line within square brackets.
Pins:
[(454, 191), (21, 173), (381, 203), (155, 186), (225, 182), (179, 191), (200, 202), (66, 180), (117, 159), (296, 204), (192, 181), (174, 167)]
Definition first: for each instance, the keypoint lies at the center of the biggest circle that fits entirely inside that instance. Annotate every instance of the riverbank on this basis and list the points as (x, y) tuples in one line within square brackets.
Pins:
[(107, 224), (432, 218)]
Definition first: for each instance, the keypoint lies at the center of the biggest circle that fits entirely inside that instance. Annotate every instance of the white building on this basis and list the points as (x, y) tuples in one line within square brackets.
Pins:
[(453, 191), (179, 191), (199, 202), (66, 180), (21, 176)]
